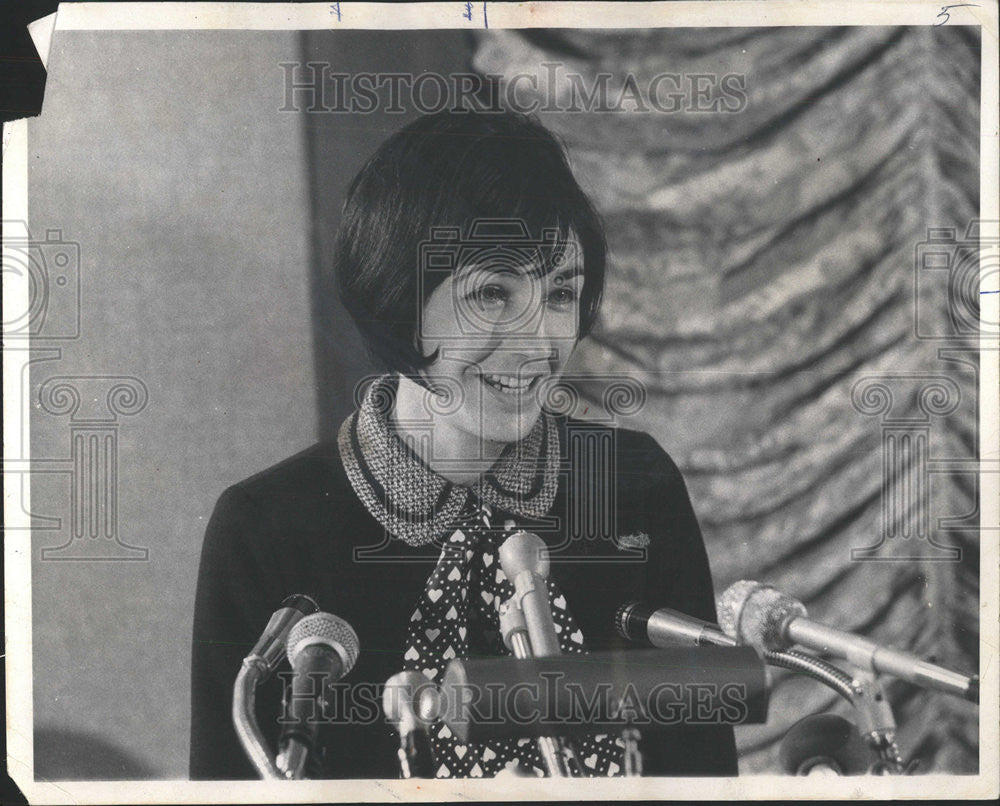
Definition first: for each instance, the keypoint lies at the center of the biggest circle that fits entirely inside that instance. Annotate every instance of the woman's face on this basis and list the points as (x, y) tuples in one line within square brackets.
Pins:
[(503, 330)]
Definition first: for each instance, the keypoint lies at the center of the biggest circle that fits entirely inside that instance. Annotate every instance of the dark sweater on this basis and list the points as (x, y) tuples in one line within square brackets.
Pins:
[(299, 527)]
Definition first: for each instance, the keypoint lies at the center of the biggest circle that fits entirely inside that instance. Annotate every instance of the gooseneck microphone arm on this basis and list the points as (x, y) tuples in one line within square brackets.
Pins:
[(767, 619), (245, 721), (816, 668), (667, 628), (257, 667)]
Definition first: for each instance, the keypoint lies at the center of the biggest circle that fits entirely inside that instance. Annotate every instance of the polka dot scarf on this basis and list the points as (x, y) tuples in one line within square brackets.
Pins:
[(457, 616)]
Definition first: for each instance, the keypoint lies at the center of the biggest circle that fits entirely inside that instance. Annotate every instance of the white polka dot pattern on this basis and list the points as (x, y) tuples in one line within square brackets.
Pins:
[(458, 607)]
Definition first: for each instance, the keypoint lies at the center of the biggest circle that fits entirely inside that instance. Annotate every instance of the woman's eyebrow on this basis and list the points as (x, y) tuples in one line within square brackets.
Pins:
[(567, 273), (519, 270)]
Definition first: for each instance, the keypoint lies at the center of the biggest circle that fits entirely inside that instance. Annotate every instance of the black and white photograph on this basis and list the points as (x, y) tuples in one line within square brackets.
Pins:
[(430, 401)]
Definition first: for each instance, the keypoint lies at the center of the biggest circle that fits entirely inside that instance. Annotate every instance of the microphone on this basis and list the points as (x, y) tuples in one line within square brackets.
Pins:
[(666, 628), (824, 744), (257, 667), (767, 619), (559, 759), (529, 631), (270, 647), (411, 702), (321, 649), (524, 558)]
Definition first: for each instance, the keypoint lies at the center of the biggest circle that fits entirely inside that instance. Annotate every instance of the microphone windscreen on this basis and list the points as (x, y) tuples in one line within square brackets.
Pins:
[(324, 628), (411, 695), (524, 551), (730, 604), (755, 614)]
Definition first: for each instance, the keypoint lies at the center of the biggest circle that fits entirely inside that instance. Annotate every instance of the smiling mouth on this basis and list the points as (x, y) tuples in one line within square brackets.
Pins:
[(509, 384)]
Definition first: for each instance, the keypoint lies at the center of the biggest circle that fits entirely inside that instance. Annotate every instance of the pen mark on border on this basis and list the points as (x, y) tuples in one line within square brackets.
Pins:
[(947, 16), (467, 14)]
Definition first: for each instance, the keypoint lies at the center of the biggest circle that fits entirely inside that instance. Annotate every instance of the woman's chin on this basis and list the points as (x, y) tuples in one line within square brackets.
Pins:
[(510, 428)]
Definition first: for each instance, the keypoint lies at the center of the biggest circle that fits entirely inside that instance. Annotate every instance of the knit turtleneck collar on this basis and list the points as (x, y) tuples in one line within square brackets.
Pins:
[(417, 505)]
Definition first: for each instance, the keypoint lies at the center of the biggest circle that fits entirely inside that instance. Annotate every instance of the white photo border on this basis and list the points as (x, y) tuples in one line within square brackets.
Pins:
[(318, 16)]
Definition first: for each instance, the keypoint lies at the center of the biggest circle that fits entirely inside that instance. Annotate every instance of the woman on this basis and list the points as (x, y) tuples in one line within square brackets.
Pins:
[(472, 263)]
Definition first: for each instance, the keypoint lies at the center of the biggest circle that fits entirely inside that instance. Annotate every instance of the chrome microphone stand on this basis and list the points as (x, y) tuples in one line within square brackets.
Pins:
[(632, 754), (863, 691), (557, 755), (245, 721), (257, 667)]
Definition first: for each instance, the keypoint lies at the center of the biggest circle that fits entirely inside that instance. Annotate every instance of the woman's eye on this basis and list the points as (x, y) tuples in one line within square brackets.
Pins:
[(562, 296), (490, 296)]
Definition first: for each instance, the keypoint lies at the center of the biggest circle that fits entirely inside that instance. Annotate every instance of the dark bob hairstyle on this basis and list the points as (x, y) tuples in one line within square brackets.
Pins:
[(450, 170)]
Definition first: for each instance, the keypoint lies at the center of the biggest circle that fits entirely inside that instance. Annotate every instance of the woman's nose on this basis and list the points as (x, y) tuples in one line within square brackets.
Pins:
[(544, 336)]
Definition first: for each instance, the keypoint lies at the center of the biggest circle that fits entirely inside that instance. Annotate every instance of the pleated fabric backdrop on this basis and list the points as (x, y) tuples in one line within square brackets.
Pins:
[(762, 266)]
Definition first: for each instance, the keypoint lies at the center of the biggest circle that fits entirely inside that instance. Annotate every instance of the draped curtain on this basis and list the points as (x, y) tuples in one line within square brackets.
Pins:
[(764, 288)]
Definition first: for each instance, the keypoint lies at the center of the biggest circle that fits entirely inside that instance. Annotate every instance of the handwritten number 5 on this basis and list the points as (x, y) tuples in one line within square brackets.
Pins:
[(944, 11)]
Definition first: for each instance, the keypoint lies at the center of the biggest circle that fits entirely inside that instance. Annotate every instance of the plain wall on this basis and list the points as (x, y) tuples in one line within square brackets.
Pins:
[(164, 156)]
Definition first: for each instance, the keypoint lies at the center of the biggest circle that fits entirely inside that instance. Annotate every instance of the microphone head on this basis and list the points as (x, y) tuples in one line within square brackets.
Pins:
[(631, 620), (756, 614), (411, 697), (324, 628), (270, 647), (524, 551), (304, 604), (824, 740)]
